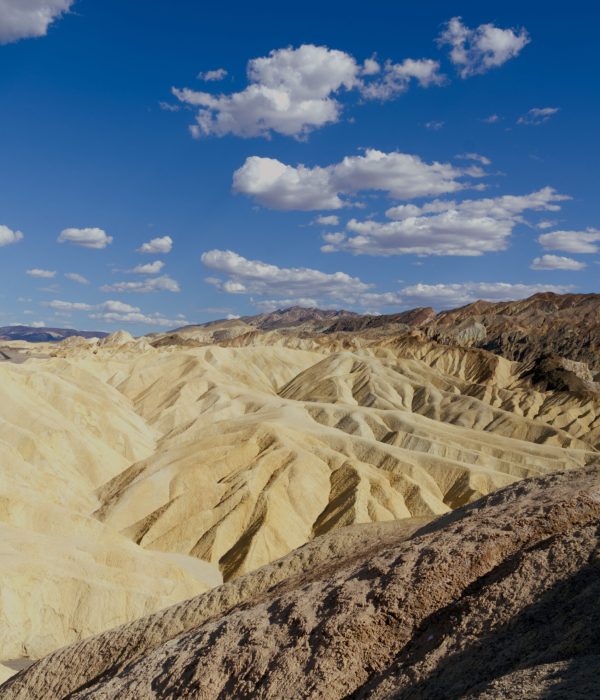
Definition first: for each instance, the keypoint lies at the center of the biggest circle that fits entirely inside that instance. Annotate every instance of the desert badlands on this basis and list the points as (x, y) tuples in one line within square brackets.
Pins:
[(306, 504), (299, 350)]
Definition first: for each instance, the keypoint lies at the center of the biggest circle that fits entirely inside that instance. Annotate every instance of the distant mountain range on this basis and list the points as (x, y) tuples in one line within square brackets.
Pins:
[(44, 335), (567, 325)]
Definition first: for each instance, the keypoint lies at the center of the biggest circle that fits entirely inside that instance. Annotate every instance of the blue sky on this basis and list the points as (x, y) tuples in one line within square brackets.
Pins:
[(368, 156)]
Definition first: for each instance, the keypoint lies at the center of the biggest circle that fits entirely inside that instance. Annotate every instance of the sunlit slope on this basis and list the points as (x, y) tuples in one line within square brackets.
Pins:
[(63, 574), (134, 476), (265, 446)]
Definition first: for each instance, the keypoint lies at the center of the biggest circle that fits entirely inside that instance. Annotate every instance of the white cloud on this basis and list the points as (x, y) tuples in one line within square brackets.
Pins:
[(44, 274), (94, 238), (38, 324), (556, 262), (286, 287), (492, 119), (139, 318), (22, 19), (446, 296), (538, 115), (279, 186), (475, 51), (59, 305), (293, 91), (477, 157), (296, 286), (256, 277), (76, 277), (404, 176), (572, 241), (268, 305), (7, 236), (471, 227), (434, 125), (168, 107), (154, 284), (116, 306), (331, 220), (546, 223), (371, 66), (114, 311), (213, 75), (152, 268), (110, 305), (157, 246), (396, 78)]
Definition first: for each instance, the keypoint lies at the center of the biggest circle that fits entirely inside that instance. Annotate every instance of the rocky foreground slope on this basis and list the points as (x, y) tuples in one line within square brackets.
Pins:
[(497, 599)]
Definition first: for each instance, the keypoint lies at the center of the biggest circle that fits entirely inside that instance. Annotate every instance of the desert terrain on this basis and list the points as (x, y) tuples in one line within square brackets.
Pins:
[(336, 498)]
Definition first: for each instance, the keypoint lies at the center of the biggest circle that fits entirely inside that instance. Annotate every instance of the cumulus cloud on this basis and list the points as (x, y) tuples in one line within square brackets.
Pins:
[(60, 305), (94, 238), (152, 268), (293, 91), (572, 241), (331, 220), (114, 311), (139, 318), (157, 246), (272, 287), (434, 125), (256, 277), (213, 75), (556, 262), (110, 305), (396, 78), (402, 175), (43, 274), (477, 157), (295, 286), (22, 19), (371, 66), (7, 236), (76, 277), (164, 283), (446, 296), (279, 186), (268, 305), (476, 51), (471, 227), (538, 115), (492, 119), (545, 223)]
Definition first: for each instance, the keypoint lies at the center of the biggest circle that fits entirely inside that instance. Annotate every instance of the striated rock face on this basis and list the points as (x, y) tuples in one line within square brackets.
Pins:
[(567, 325), (497, 599)]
